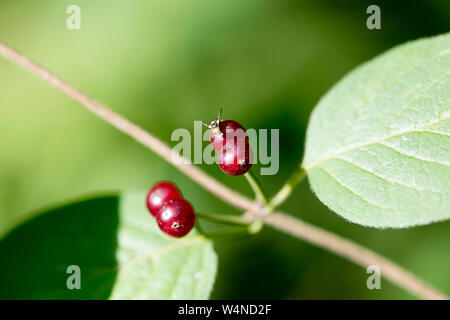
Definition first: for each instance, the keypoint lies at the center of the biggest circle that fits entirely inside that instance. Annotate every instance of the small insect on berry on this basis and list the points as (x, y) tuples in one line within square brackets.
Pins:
[(221, 130), (176, 218), (160, 193)]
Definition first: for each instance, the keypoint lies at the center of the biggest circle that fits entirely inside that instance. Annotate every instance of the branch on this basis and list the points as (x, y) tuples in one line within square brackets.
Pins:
[(302, 230)]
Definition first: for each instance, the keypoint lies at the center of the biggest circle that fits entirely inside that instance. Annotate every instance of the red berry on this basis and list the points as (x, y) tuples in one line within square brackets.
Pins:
[(176, 217), (227, 128), (235, 158), (161, 192)]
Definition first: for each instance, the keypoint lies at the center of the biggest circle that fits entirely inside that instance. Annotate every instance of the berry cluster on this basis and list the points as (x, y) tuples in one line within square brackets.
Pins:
[(230, 140), (174, 215)]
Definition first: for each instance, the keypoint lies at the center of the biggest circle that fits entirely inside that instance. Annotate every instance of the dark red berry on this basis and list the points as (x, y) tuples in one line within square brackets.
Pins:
[(235, 158), (227, 129), (161, 192), (176, 217)]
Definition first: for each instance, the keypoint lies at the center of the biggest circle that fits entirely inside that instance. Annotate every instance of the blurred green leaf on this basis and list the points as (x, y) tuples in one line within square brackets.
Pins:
[(377, 149), (118, 247)]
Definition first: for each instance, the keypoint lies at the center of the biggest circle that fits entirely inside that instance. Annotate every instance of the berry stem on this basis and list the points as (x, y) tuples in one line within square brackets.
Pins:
[(225, 219), (287, 188), (256, 186)]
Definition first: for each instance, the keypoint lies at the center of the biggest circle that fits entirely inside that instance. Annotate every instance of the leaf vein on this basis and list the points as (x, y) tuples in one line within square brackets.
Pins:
[(178, 276), (420, 96), (127, 266), (387, 179), (352, 147), (350, 190), (414, 156)]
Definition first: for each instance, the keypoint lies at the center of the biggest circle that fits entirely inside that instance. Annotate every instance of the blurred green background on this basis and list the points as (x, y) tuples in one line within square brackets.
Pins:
[(164, 64)]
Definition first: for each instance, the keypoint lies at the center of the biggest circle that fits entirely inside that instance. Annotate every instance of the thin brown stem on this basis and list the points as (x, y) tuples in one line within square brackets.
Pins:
[(299, 229)]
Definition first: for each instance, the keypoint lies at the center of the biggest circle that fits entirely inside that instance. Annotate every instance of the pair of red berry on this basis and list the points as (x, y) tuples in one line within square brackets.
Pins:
[(174, 215), (230, 140)]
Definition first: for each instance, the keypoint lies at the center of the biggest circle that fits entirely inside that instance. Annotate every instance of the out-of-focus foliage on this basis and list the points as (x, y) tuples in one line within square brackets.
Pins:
[(164, 64)]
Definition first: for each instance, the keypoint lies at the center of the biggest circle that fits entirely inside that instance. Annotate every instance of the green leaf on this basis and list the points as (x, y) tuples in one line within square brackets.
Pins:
[(378, 143), (117, 245)]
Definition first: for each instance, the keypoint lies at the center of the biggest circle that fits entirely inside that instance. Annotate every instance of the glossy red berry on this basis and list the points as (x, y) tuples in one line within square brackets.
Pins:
[(161, 192), (235, 158), (176, 217), (227, 129)]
